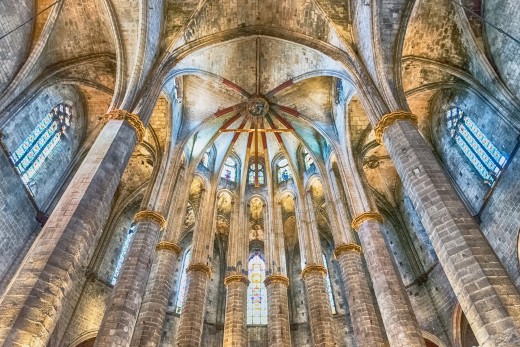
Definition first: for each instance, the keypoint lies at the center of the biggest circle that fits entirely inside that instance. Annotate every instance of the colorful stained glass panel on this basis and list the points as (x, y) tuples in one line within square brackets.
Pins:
[(256, 292)]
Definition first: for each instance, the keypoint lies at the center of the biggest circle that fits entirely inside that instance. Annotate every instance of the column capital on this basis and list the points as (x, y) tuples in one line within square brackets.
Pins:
[(360, 219), (389, 119), (276, 279), (168, 246), (131, 118), (347, 247), (236, 278), (313, 268), (200, 268), (147, 215)]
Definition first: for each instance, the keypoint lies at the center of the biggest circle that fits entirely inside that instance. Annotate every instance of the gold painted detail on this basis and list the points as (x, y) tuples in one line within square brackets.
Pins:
[(168, 246), (389, 119), (348, 247), (148, 215), (199, 267), (236, 278), (276, 279), (313, 268), (131, 119), (356, 223)]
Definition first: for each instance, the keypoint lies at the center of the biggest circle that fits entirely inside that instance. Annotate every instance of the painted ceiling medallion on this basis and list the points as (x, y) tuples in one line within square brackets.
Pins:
[(257, 106)]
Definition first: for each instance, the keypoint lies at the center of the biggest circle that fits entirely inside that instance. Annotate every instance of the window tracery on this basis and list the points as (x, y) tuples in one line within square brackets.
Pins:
[(256, 291), (229, 171), (481, 152), (127, 242), (183, 283), (30, 156), (284, 172), (307, 159), (251, 173), (329, 286)]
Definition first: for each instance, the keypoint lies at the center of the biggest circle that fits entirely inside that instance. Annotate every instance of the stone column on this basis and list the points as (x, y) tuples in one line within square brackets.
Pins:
[(191, 323), (235, 327), (400, 323), (313, 274), (278, 324), (54, 265), (362, 308), (485, 292), (120, 316), (155, 303)]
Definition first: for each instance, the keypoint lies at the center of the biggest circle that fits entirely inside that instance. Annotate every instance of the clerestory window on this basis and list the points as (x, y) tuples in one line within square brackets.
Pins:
[(127, 242), (183, 283), (329, 286), (284, 172), (229, 172)]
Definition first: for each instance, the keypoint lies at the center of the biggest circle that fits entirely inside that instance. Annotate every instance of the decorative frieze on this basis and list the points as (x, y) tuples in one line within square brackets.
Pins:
[(200, 268), (168, 246), (360, 219), (389, 119), (236, 278), (147, 215), (276, 279), (131, 118), (313, 268), (348, 247)]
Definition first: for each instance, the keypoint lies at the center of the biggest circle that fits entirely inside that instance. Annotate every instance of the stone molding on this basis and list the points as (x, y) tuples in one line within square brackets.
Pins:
[(360, 219), (147, 215), (132, 119), (345, 248), (313, 268), (168, 246), (199, 267), (236, 278), (389, 119), (276, 279)]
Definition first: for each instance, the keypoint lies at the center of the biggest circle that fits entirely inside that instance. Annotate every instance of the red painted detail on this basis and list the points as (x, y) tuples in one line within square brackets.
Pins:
[(283, 121), (289, 110), (222, 112), (230, 121), (233, 86), (281, 87)]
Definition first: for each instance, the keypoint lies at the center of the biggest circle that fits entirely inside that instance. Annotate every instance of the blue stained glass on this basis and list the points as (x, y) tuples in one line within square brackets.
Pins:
[(256, 291), (183, 284), (307, 159), (229, 171), (480, 151), (29, 157), (251, 174), (329, 286), (284, 173), (122, 255)]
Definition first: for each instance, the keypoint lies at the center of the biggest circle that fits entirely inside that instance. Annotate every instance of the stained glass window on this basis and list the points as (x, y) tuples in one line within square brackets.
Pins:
[(329, 286), (251, 174), (205, 159), (183, 283), (256, 292), (229, 171), (483, 155), (284, 172), (307, 158), (122, 255), (29, 157)]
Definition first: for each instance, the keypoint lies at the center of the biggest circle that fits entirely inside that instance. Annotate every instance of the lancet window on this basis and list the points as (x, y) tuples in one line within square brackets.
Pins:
[(205, 159), (229, 172), (481, 152), (329, 287), (127, 242), (252, 172), (307, 159), (183, 283), (284, 172), (30, 156), (256, 292)]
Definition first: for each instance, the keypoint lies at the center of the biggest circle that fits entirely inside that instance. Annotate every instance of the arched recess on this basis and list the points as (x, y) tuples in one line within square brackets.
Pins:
[(432, 340), (86, 339), (462, 334), (87, 343)]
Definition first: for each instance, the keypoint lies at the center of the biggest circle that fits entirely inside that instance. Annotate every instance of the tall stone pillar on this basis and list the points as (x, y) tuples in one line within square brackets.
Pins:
[(313, 275), (53, 267), (120, 316), (362, 308), (236, 281), (485, 292), (189, 330), (277, 283)]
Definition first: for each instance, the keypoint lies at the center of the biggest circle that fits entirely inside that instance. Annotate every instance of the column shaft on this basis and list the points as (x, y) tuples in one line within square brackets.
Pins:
[(485, 292), (120, 316), (367, 330), (278, 325), (155, 303), (53, 266), (191, 324), (320, 314), (235, 328), (399, 320)]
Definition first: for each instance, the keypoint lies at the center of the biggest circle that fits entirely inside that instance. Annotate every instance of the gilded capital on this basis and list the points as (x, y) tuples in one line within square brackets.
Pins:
[(168, 246), (131, 118), (345, 248), (360, 219), (389, 119), (313, 268), (147, 215), (200, 268), (276, 279), (236, 278)]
